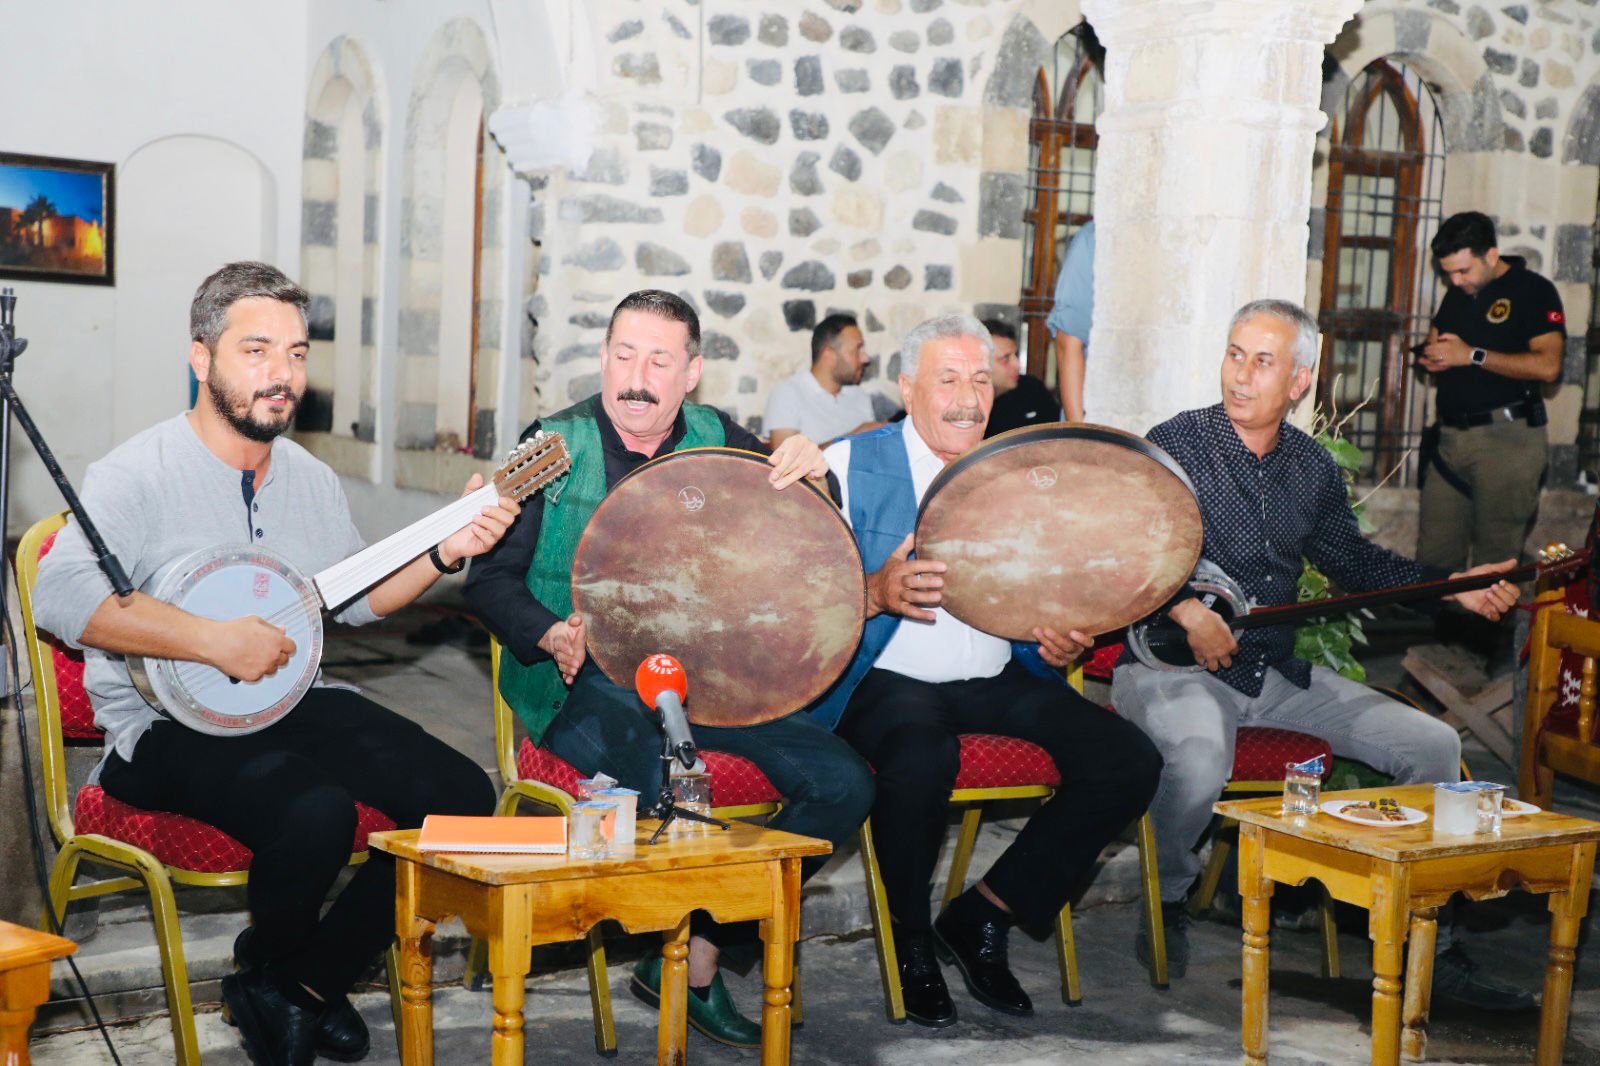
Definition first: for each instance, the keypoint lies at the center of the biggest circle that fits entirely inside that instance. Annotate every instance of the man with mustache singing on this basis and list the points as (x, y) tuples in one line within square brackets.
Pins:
[(922, 678), (649, 363), (221, 474)]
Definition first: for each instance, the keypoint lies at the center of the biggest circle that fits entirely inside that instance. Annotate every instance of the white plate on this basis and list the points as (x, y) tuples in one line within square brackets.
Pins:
[(1336, 808), (1515, 807)]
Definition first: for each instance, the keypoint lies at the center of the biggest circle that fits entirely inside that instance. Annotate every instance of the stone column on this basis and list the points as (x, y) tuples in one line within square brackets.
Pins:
[(1202, 188)]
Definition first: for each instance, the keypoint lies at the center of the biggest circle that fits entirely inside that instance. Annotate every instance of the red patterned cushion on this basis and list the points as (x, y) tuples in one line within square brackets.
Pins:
[(184, 842), (77, 716), (1563, 718), (1102, 661), (989, 761), (735, 781), (1261, 753)]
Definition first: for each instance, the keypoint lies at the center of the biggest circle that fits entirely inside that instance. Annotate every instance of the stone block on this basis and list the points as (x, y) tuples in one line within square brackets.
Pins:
[(652, 136), (1558, 75), (748, 385), (937, 277), (933, 222), (714, 345), (728, 30), (1574, 252), (606, 166), (858, 279), (808, 75), (803, 177), (668, 182), (799, 314), (1411, 29), (940, 32), (750, 175), (319, 222), (583, 386), (703, 217), (957, 135), (1005, 139), (320, 318), (676, 25), (1499, 62), (1542, 143), (874, 326), (946, 194), (1516, 12), (774, 30), (764, 71), (1546, 108), (903, 82), (600, 254), (415, 425), (760, 124), (758, 222), (898, 277), (803, 222), (601, 208), (641, 68), (1001, 199), (419, 331), (718, 78), (368, 322), (1512, 104), (808, 125), (622, 31), (369, 219), (905, 41), (852, 80), (872, 128), (726, 304), (1529, 75), (1479, 23), (857, 39), (707, 161), (858, 207), (589, 320), (321, 140), (1022, 52), (770, 262), (810, 276), (1574, 361), (948, 78), (814, 27), (729, 262)]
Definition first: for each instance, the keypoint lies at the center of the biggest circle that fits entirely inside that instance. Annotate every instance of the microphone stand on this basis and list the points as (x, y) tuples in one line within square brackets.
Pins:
[(666, 807), (12, 346)]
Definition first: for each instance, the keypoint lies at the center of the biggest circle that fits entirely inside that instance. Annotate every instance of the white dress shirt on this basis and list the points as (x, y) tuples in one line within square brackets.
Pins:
[(945, 649)]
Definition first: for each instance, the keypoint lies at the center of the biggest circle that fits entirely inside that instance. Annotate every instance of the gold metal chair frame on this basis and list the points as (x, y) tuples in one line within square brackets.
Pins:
[(148, 872), (1546, 753), (515, 791), (972, 800)]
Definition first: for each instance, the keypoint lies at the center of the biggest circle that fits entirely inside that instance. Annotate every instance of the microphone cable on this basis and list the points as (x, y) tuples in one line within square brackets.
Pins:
[(14, 694)]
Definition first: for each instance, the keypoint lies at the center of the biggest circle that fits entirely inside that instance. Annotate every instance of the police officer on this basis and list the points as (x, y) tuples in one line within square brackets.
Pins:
[(1499, 332)]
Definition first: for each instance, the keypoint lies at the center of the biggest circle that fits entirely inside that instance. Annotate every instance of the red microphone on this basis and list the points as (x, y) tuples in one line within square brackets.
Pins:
[(662, 684)]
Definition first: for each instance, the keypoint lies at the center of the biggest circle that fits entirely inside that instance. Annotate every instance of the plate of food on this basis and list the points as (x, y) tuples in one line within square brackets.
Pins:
[(1384, 812), (1511, 808)]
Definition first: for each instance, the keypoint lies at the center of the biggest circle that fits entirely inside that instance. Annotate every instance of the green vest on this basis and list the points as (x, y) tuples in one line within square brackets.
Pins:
[(537, 692)]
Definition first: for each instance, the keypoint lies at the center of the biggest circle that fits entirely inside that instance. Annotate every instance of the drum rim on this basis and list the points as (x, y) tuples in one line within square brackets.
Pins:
[(1022, 435), (718, 450)]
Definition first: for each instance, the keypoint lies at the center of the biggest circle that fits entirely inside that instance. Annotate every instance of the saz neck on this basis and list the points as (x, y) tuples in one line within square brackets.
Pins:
[(342, 582)]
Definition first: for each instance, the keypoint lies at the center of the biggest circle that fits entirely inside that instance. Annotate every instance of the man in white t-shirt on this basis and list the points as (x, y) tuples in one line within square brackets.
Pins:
[(826, 401)]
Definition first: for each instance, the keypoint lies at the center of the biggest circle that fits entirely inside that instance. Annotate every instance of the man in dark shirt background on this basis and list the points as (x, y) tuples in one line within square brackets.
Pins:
[(1498, 334), (1019, 399), (1271, 496)]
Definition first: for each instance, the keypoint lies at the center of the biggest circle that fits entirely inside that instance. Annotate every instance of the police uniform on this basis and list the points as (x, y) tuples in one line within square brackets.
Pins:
[(1481, 489)]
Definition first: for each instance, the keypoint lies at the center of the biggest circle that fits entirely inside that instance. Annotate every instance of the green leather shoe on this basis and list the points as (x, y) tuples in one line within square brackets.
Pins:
[(715, 1016)]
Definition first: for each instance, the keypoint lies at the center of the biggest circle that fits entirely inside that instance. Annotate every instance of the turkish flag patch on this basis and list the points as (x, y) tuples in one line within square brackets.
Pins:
[(1556, 316)]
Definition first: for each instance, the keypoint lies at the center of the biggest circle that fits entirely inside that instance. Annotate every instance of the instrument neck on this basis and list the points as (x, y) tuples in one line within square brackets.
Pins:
[(344, 581), (1292, 613)]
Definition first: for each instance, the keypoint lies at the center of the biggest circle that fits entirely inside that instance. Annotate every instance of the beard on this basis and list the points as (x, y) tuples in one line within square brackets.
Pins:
[(236, 409)]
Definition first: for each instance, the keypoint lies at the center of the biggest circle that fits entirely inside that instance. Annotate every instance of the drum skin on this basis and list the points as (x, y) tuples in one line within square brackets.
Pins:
[(759, 593), (1064, 526)]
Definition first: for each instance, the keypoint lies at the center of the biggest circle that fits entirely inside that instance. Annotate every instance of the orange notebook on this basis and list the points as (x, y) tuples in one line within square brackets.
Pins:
[(510, 836)]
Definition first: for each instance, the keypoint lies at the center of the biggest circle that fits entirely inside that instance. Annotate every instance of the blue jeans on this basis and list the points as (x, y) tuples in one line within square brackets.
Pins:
[(827, 788)]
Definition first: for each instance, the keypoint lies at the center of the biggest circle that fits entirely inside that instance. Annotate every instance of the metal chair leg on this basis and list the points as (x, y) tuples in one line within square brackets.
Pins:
[(1150, 879), (966, 840), (1067, 956), (605, 1027), (174, 971), (62, 874), (882, 933), (1211, 878)]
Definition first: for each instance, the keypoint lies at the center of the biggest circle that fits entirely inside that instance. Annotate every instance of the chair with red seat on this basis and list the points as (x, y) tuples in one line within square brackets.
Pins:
[(1559, 733), (995, 768), (156, 848), (529, 773)]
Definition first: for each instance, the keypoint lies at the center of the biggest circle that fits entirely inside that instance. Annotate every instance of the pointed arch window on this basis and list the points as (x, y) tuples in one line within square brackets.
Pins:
[(1379, 287), (1067, 99)]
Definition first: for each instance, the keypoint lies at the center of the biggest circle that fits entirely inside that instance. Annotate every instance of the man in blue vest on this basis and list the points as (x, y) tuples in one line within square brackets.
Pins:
[(649, 364), (922, 678)]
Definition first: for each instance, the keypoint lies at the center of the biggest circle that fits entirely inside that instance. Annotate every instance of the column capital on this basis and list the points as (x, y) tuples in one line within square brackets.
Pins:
[(1119, 23)]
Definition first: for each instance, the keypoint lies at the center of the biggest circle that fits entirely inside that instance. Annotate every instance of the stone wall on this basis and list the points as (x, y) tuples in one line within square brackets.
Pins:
[(775, 162)]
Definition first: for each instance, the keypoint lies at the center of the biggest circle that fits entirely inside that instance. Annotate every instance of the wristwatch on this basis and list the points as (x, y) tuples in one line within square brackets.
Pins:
[(1478, 356), (438, 562)]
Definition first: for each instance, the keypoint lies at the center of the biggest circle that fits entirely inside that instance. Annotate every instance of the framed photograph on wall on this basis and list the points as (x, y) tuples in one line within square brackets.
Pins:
[(56, 219)]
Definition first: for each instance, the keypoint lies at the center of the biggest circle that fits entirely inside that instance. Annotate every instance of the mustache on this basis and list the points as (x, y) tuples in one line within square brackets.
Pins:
[(637, 396), (963, 414), (275, 392)]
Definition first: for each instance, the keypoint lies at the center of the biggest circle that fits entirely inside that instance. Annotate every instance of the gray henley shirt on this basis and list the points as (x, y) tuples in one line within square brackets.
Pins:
[(157, 498)]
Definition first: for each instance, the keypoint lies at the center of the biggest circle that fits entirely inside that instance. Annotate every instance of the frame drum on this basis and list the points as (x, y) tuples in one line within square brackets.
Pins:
[(1066, 526), (758, 593)]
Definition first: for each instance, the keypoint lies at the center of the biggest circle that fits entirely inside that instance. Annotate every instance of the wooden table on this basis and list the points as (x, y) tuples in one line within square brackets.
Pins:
[(1403, 874), (517, 901), (25, 956)]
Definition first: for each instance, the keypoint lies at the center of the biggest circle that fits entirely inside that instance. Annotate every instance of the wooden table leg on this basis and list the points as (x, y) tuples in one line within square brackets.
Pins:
[(1567, 909), (1419, 983), (778, 934), (672, 1033), (510, 950), (1387, 927), (1256, 891), (416, 969), (21, 992)]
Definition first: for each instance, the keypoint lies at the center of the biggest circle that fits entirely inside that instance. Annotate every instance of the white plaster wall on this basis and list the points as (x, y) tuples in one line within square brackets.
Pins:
[(138, 71)]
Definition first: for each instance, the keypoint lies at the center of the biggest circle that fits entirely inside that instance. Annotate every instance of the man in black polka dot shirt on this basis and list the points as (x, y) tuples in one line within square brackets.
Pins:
[(1270, 497)]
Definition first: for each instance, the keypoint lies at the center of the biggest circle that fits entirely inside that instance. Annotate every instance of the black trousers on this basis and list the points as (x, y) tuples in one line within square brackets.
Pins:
[(909, 731), (288, 794)]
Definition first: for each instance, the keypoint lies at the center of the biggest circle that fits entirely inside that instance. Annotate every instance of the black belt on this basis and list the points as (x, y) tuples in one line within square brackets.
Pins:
[(1514, 412)]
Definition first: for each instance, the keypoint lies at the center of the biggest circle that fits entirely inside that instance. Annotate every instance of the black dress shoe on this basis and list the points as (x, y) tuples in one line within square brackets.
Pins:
[(979, 951), (922, 986), (341, 1034), (275, 1031)]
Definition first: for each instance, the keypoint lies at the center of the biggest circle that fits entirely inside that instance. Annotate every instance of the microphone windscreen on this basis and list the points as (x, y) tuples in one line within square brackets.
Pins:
[(657, 674)]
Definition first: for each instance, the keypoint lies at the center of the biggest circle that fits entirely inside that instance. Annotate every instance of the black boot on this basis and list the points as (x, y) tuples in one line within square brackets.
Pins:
[(979, 950), (341, 1034), (922, 986), (276, 1032)]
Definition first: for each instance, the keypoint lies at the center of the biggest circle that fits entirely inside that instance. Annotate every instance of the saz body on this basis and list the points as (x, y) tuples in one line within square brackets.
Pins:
[(237, 582)]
